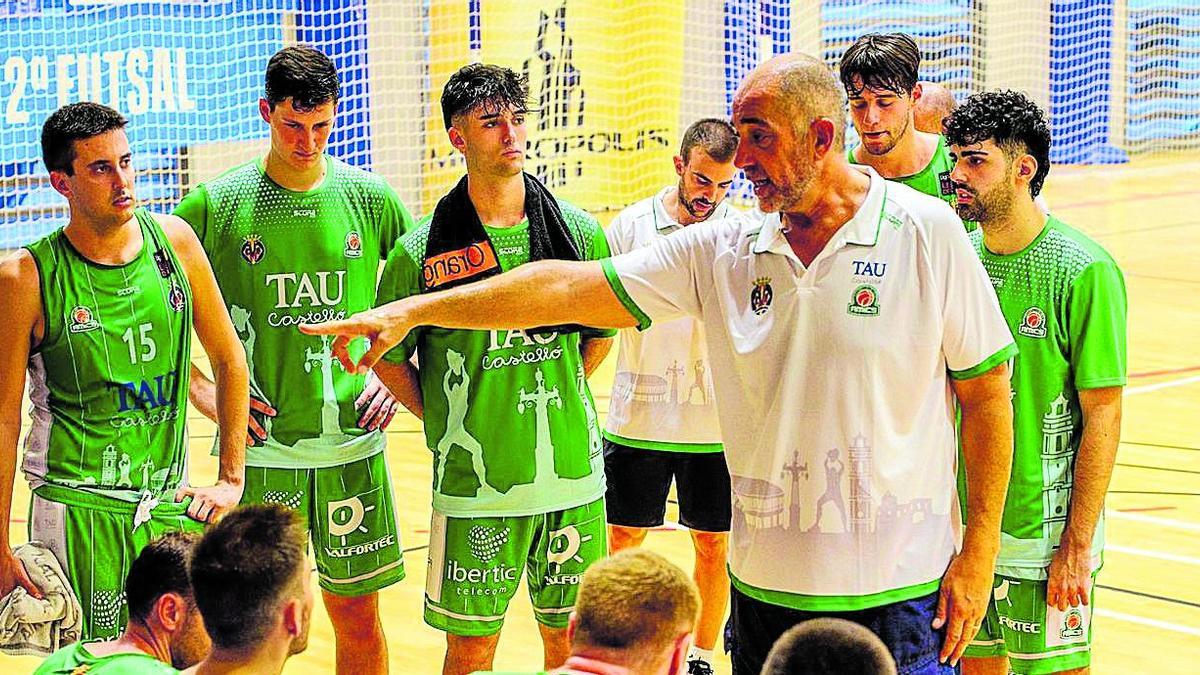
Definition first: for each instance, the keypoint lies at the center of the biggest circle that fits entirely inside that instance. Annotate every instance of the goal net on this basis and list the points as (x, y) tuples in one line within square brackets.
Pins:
[(615, 82)]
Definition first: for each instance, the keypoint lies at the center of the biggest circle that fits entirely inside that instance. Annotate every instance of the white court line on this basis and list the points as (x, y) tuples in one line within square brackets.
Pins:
[(1132, 618), (1152, 520), (1171, 557), (1146, 388)]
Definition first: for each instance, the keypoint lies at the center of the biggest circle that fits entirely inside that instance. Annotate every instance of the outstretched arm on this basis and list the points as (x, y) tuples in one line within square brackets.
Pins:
[(547, 292)]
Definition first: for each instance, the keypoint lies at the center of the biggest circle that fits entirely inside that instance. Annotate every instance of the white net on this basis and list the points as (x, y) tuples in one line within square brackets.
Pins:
[(617, 82)]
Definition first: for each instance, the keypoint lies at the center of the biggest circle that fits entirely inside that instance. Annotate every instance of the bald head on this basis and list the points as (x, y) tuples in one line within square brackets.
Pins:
[(804, 86), (935, 104)]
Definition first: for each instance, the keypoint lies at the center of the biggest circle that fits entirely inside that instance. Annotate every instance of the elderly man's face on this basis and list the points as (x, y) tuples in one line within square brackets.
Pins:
[(771, 150)]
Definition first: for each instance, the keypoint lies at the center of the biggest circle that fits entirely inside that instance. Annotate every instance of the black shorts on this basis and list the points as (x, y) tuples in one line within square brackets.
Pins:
[(639, 480), (905, 628)]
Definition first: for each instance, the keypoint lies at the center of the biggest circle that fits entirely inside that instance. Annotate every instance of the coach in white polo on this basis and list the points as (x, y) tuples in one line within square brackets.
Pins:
[(841, 334)]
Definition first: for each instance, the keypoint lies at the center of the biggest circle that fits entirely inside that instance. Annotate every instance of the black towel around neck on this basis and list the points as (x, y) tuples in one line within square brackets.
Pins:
[(459, 251)]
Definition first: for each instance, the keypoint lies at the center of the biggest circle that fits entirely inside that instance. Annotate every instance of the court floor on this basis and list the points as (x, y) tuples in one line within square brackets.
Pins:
[(1147, 605)]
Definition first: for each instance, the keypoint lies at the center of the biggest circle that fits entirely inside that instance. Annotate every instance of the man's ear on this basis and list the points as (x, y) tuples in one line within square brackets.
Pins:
[(457, 140)]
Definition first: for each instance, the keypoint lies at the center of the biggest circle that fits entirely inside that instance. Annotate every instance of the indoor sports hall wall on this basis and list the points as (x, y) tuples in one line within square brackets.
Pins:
[(616, 81)]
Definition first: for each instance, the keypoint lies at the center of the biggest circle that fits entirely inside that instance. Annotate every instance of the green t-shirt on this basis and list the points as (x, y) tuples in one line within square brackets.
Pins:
[(508, 414), (108, 382), (934, 179), (1063, 297), (75, 660), (283, 258)]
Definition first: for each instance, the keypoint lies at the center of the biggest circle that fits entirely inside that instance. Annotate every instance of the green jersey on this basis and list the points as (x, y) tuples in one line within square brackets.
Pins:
[(109, 380), (1064, 300), (508, 413), (283, 258), (76, 659), (934, 179)]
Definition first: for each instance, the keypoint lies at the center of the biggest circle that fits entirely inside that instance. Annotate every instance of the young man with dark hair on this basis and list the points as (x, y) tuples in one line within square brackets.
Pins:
[(654, 433), (1064, 299), (250, 575), (164, 632), (294, 236), (880, 74), (518, 466), (811, 300), (829, 647), (101, 313)]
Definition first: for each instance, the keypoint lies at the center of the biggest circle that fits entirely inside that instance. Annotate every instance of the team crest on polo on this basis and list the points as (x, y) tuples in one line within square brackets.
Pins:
[(864, 301), (353, 244), (1033, 324), (253, 249), (82, 320), (175, 298), (761, 295), (1072, 625)]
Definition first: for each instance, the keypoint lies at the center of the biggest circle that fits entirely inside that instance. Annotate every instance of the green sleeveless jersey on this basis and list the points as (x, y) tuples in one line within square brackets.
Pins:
[(508, 414), (1063, 297), (109, 380), (283, 258), (76, 659), (934, 179)]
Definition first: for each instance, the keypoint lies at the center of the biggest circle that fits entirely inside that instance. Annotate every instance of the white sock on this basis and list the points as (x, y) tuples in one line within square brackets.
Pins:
[(705, 655)]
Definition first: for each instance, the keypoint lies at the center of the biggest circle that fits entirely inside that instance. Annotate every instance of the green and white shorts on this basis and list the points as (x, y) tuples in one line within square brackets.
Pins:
[(350, 514), (1036, 637), (95, 540), (475, 565)]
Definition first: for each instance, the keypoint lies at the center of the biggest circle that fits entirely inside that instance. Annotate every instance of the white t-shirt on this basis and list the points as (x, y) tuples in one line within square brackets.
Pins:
[(834, 381), (662, 396)]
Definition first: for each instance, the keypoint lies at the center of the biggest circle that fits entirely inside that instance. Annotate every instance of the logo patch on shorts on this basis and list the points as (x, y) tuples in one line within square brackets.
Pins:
[(1072, 624), (485, 542), (864, 301), (761, 296), (253, 249), (82, 320), (353, 525), (353, 244), (1033, 324)]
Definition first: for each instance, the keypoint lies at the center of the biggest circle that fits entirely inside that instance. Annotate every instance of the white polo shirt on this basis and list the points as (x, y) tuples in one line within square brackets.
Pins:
[(662, 396), (836, 408)]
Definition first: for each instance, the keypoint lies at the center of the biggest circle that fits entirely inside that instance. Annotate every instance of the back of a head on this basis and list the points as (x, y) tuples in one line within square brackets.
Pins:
[(244, 569), (829, 647), (882, 62), (160, 568), (935, 104), (75, 122), (634, 603), (303, 74)]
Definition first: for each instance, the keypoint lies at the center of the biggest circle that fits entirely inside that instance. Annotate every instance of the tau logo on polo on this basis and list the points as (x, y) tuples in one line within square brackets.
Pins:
[(353, 245), (864, 301), (761, 296), (253, 249), (82, 320), (866, 268), (1033, 324)]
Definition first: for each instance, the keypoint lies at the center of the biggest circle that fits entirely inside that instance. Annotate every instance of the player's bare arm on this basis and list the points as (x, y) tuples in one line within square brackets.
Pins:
[(987, 446), (593, 350), (230, 375), (404, 380), (1070, 574), (542, 293), (21, 306)]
